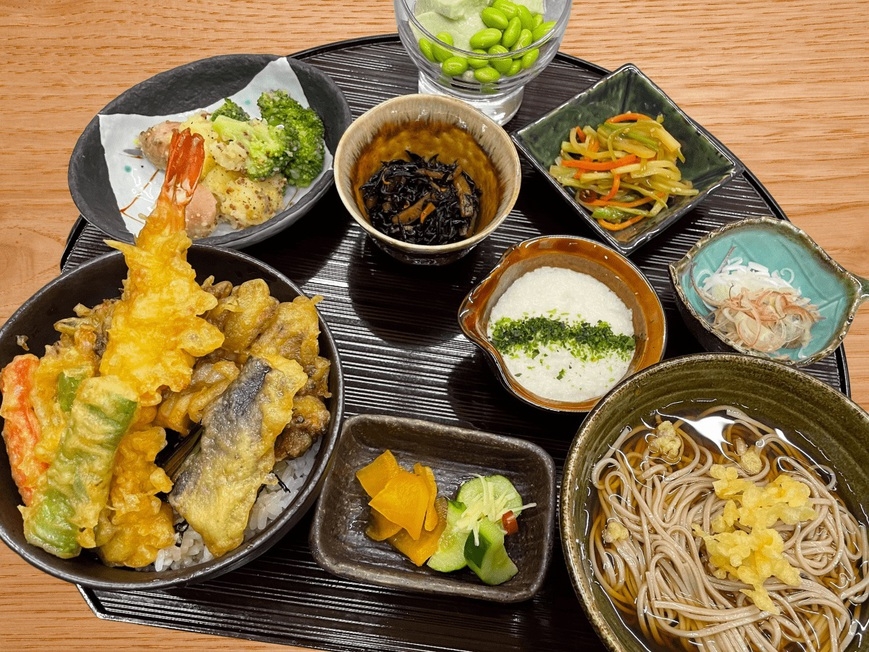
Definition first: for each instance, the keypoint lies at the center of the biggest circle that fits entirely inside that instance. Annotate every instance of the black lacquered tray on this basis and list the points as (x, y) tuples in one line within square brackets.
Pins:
[(403, 354)]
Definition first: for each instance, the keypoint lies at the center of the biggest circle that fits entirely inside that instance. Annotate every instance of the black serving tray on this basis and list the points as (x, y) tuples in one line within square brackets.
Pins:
[(403, 354)]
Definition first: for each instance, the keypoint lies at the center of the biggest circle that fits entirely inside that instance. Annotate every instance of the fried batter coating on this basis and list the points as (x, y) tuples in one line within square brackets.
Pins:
[(138, 523), (310, 420), (218, 484), (242, 313), (179, 411), (157, 332), (292, 332)]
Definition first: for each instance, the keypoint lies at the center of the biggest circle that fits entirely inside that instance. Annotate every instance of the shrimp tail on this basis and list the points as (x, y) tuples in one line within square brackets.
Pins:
[(186, 159)]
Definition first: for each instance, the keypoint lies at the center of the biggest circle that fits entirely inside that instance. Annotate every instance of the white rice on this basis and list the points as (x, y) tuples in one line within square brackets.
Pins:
[(274, 497), (570, 297)]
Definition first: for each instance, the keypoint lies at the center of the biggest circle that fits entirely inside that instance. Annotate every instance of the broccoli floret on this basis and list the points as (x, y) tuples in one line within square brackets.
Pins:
[(231, 110), (268, 148), (306, 130)]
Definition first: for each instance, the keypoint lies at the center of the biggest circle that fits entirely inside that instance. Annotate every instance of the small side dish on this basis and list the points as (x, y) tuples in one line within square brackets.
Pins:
[(563, 335), (250, 162), (563, 319), (483, 27), (113, 184), (407, 511), (691, 156), (427, 177), (427, 507), (624, 170), (483, 52), (763, 287)]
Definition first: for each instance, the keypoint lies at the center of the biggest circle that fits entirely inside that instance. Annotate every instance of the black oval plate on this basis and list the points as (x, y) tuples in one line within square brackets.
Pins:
[(186, 88)]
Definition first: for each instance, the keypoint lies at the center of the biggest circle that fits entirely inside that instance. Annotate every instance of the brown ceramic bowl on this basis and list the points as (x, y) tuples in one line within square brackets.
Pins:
[(816, 418), (584, 256), (455, 455), (420, 124)]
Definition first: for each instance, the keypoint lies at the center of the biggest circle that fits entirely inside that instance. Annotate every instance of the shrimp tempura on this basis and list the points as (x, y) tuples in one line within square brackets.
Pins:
[(156, 331)]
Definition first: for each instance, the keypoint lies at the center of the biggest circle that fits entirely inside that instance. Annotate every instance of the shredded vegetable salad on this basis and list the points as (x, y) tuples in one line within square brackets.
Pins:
[(755, 307), (625, 170)]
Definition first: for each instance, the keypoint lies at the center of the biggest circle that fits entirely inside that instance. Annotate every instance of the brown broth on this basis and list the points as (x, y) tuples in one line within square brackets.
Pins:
[(711, 432), (427, 138)]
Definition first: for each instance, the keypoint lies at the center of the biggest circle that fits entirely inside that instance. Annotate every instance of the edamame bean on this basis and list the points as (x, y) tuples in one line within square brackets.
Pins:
[(475, 63), (485, 38), (487, 75), (542, 30), (525, 39), (493, 17), (501, 64), (454, 66), (441, 53), (529, 58), (538, 20), (508, 8), (524, 14), (515, 67), (511, 34), (425, 46)]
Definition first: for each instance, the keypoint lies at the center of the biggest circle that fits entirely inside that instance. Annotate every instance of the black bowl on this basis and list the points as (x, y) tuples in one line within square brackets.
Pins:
[(187, 88), (101, 279)]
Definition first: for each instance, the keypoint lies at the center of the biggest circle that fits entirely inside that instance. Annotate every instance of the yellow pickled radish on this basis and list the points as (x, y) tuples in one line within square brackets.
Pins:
[(403, 500), (431, 513), (419, 550), (379, 527), (374, 476)]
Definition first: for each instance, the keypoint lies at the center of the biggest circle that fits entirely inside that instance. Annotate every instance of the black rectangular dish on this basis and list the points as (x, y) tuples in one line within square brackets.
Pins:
[(403, 355)]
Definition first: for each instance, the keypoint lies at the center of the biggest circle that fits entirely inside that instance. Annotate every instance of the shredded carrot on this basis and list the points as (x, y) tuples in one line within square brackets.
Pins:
[(583, 164), (620, 204), (618, 226), (580, 134), (613, 189), (628, 117)]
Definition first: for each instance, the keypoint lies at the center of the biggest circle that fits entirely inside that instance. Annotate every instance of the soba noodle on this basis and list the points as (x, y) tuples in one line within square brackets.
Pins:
[(656, 499)]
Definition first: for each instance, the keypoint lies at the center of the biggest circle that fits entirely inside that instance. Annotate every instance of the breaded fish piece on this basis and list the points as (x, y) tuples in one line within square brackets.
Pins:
[(218, 484)]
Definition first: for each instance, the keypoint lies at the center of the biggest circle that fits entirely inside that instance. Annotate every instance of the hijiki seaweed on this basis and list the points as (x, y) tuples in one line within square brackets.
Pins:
[(422, 201)]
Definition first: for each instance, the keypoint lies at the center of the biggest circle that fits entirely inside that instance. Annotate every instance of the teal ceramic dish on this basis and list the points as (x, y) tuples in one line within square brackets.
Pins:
[(708, 164), (822, 422), (780, 246)]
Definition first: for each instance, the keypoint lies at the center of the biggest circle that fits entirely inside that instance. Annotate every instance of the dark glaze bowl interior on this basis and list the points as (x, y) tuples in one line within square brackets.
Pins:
[(416, 123), (90, 284), (580, 255)]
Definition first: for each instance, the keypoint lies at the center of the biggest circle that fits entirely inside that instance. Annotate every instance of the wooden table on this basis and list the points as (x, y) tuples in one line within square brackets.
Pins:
[(782, 84)]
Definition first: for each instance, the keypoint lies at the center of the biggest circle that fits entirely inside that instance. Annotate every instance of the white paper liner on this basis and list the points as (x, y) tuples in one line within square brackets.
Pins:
[(136, 182)]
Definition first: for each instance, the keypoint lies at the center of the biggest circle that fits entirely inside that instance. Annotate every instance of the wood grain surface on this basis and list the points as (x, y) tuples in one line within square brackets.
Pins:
[(782, 83)]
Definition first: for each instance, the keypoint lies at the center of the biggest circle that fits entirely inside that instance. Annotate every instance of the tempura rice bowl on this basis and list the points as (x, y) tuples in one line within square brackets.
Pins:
[(100, 279)]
